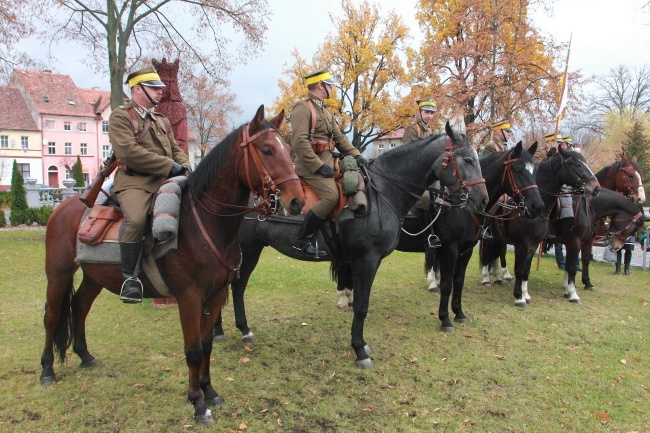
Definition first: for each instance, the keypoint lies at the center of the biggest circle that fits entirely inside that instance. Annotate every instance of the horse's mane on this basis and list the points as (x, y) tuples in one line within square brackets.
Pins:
[(405, 148), (201, 180)]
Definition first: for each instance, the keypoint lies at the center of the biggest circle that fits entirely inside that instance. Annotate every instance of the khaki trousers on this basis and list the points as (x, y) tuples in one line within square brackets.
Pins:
[(135, 204)]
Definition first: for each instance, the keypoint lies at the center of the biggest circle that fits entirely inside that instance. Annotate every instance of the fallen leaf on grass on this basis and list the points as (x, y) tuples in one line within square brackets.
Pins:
[(500, 357), (602, 416), (165, 368), (244, 360), (243, 426), (624, 361)]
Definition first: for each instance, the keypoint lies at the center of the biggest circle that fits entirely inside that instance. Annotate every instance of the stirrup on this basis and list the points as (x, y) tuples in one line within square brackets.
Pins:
[(487, 234), (434, 241), (131, 297)]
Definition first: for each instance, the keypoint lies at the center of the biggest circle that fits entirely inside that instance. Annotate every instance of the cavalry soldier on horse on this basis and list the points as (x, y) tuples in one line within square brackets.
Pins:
[(314, 136), (143, 141), (419, 128), (501, 132)]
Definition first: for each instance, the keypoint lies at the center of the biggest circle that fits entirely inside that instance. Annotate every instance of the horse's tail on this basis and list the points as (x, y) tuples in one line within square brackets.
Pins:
[(63, 330), (334, 270), (341, 272)]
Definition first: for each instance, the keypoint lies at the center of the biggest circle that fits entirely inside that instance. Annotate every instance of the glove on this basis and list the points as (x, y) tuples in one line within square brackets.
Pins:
[(187, 169), (325, 171), (176, 170), (361, 161)]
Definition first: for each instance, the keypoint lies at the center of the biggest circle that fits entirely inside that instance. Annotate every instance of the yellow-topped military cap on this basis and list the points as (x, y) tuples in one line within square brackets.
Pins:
[(427, 104), (504, 124), (146, 76), (552, 137), (323, 75), (567, 139)]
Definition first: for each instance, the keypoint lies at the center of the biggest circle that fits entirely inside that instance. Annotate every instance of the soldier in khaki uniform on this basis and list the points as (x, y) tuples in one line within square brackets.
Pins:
[(501, 132), (419, 128), (145, 165), (313, 153)]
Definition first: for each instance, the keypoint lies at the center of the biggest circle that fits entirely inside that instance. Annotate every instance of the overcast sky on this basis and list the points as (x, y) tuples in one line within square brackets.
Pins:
[(606, 33)]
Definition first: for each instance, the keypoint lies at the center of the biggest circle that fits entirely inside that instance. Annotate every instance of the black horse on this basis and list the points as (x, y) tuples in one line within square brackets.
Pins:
[(577, 233), (397, 179), (564, 168), (509, 172)]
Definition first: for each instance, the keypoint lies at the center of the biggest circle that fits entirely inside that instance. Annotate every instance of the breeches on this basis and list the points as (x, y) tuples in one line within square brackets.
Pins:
[(135, 204), (327, 192)]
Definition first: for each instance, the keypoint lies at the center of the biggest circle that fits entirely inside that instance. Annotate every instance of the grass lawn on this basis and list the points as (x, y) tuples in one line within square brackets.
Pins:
[(552, 367)]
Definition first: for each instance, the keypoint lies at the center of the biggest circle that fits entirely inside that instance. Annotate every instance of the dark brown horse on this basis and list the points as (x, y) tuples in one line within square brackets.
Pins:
[(253, 158), (623, 176)]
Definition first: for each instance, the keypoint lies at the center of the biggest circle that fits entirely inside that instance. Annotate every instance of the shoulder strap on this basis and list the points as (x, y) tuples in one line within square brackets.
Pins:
[(134, 121), (419, 128)]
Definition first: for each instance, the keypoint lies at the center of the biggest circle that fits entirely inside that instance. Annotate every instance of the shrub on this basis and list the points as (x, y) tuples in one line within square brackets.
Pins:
[(5, 198), (3, 220), (40, 215), (19, 208)]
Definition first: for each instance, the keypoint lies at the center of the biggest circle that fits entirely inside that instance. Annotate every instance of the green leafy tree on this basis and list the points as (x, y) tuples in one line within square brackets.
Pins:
[(636, 143), (78, 173), (19, 209)]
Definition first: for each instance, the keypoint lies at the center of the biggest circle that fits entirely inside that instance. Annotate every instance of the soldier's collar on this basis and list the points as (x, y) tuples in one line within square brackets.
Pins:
[(316, 100), (142, 112)]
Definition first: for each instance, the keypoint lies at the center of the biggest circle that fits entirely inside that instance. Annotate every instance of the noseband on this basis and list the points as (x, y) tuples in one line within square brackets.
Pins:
[(633, 221), (450, 159), (627, 189)]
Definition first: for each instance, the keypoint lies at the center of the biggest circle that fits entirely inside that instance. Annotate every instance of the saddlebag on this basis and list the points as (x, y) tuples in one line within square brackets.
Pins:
[(97, 223)]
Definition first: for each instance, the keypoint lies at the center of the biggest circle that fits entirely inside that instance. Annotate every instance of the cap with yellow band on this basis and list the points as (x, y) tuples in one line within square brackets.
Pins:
[(504, 124), (323, 75), (146, 76), (552, 137), (427, 104)]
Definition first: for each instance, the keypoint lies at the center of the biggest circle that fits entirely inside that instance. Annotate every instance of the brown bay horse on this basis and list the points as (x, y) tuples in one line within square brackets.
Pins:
[(252, 158)]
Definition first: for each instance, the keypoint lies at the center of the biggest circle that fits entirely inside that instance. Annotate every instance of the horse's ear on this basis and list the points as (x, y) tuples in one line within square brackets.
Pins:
[(533, 148), (449, 131), (635, 159), (517, 149), (624, 159), (277, 120), (258, 120)]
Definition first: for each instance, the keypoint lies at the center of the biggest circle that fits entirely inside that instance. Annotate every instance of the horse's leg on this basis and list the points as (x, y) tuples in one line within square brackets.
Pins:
[(343, 292), (432, 269), (364, 270), (485, 273), (586, 258), (57, 321), (81, 303), (504, 265), (447, 266), (207, 325), (496, 271), (190, 311), (459, 281), (521, 276), (570, 272)]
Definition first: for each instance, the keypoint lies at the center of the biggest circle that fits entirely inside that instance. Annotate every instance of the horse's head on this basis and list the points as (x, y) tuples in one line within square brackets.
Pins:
[(575, 172), (460, 171), (269, 171), (622, 226), (627, 179), (518, 179)]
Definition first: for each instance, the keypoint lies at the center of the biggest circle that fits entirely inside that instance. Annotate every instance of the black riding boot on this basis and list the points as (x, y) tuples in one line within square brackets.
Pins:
[(628, 259), (131, 292), (308, 232), (618, 263)]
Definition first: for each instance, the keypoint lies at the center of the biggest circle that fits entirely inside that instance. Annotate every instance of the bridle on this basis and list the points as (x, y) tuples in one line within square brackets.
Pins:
[(270, 194), (618, 234), (627, 191), (449, 159), (508, 175), (268, 198), (578, 190)]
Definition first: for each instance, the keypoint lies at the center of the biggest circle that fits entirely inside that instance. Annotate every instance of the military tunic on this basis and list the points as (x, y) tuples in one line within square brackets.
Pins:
[(149, 161), (306, 161), (416, 130), (494, 146)]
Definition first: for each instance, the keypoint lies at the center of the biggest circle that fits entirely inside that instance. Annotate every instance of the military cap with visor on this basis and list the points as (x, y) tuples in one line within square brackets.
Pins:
[(504, 124), (323, 75), (552, 137), (146, 76), (427, 104)]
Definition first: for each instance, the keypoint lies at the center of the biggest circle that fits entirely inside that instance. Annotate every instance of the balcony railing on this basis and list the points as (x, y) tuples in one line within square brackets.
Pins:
[(38, 196)]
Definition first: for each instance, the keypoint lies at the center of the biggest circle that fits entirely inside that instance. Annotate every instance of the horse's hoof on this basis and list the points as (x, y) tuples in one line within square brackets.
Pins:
[(90, 364), (498, 282), (343, 307), (521, 303), (528, 301), (215, 402), (221, 338), (591, 288), (461, 320), (366, 363), (434, 289), (367, 349), (566, 295), (448, 329), (48, 380), (486, 283), (249, 338), (574, 301), (204, 420)]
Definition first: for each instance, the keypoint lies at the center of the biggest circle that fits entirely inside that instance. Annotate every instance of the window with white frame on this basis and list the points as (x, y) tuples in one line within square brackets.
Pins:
[(24, 142), (81, 126), (392, 145), (105, 126), (67, 148), (83, 149), (4, 142), (67, 126), (51, 148), (106, 151), (381, 148), (49, 124)]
